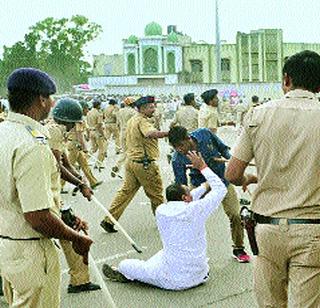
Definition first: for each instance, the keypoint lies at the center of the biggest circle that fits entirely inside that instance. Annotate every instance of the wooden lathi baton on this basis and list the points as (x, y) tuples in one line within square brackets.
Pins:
[(117, 224)]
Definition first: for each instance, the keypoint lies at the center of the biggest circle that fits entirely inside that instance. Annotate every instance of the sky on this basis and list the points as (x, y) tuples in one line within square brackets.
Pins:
[(120, 18)]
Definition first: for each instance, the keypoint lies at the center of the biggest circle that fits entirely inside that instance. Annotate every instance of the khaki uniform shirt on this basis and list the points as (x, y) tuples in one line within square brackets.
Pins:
[(94, 118), (73, 142), (208, 117), (124, 115), (110, 114), (57, 136), (187, 116), (283, 137), (28, 174), (137, 143), (57, 141)]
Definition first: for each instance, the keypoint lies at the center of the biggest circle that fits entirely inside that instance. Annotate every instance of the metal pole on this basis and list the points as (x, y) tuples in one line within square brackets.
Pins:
[(218, 46)]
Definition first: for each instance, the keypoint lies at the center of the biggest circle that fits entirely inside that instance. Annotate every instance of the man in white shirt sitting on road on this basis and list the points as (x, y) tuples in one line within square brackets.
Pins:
[(182, 263)]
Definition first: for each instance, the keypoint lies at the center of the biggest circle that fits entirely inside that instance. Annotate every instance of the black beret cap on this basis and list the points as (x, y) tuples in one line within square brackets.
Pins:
[(209, 95), (112, 102), (188, 98), (144, 100), (31, 80)]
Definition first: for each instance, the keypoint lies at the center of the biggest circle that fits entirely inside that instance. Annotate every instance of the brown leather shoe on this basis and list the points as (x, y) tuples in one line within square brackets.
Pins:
[(113, 274)]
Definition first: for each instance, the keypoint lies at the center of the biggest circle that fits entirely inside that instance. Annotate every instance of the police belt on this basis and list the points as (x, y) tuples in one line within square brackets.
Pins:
[(141, 161), (260, 219), (20, 239)]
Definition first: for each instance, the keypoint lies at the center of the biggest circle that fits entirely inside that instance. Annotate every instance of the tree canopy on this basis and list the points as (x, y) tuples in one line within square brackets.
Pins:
[(55, 46)]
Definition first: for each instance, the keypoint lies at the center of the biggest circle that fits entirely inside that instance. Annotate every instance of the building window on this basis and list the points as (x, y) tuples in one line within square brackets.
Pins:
[(107, 69), (150, 61), (131, 64), (196, 66), (171, 63), (225, 64), (196, 71)]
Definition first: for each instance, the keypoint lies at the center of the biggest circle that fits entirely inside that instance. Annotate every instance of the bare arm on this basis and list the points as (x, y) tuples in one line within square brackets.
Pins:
[(49, 225), (156, 134), (69, 174), (235, 173)]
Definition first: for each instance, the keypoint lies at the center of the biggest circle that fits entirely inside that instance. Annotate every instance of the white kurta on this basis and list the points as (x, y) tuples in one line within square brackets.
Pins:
[(182, 263)]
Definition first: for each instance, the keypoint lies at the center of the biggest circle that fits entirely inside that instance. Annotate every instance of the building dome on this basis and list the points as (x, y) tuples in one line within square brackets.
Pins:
[(152, 29), (172, 37), (132, 39)]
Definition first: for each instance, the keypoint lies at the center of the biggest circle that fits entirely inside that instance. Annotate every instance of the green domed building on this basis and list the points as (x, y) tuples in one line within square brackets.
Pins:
[(172, 58), (152, 29)]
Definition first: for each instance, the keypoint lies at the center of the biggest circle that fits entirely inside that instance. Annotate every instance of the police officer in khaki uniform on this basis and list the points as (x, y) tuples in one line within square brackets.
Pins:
[(208, 114), (66, 114), (111, 127), (77, 149), (123, 117), (29, 262), (141, 167), (97, 136), (283, 138), (187, 115)]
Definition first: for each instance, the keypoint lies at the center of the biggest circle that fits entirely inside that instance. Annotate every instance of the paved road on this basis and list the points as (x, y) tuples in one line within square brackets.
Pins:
[(230, 283)]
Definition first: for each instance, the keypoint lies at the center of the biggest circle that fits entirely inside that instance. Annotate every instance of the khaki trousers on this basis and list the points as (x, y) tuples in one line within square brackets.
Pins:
[(77, 156), (287, 269), (78, 271), (98, 143), (123, 155), (231, 207), (31, 273), (135, 177), (113, 130)]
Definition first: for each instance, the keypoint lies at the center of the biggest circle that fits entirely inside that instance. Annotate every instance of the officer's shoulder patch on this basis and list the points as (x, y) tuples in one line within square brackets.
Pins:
[(40, 138)]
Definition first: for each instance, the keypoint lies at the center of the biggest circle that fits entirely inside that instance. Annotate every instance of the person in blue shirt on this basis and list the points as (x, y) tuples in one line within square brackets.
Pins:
[(213, 151)]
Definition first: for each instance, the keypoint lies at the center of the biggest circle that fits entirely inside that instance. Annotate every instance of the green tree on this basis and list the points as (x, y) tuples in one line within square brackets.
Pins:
[(55, 46)]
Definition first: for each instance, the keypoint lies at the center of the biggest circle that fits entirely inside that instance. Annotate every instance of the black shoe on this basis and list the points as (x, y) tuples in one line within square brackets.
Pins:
[(244, 201), (113, 274), (108, 227), (96, 185), (75, 191), (63, 191), (83, 287)]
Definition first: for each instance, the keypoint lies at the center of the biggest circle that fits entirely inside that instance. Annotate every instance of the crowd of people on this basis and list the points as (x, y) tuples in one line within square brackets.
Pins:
[(48, 143)]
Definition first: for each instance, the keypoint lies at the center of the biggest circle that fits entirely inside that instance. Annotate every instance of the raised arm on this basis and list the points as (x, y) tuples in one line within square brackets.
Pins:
[(204, 207)]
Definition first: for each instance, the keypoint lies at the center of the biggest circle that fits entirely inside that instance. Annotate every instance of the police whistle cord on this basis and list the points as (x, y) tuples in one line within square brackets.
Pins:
[(117, 224), (104, 289)]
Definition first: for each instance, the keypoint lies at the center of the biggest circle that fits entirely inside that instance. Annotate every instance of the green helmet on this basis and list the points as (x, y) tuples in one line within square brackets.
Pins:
[(67, 110)]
